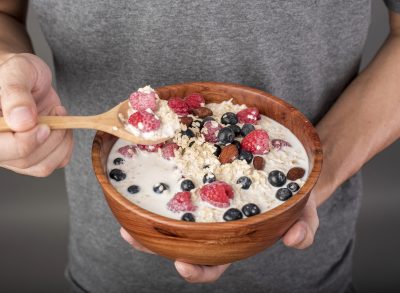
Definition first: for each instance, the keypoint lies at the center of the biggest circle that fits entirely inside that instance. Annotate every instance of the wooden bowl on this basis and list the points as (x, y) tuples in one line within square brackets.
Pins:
[(222, 242)]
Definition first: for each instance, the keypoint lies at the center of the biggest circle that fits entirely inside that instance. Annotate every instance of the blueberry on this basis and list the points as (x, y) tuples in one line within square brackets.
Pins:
[(245, 182), (245, 155), (188, 217), (232, 215), (293, 187), (160, 188), (209, 177), (250, 210), (119, 161), (283, 194), (246, 129), (236, 129), (229, 118), (217, 150), (226, 135), (117, 174), (208, 118), (133, 189), (187, 185), (276, 178), (188, 132)]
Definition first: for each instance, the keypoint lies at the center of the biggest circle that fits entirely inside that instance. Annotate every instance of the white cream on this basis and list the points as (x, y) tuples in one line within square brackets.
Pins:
[(148, 169)]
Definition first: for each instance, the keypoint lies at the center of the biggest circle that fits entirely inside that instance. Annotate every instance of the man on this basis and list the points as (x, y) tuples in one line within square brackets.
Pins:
[(306, 52)]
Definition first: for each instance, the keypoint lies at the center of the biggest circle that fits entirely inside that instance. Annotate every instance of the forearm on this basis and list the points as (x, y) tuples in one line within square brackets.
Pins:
[(13, 35), (363, 121)]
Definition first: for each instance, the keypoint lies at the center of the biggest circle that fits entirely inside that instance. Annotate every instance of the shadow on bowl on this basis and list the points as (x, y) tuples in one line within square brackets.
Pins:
[(222, 242)]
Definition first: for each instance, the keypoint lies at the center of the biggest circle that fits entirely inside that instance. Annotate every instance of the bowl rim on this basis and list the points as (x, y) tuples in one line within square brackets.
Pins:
[(250, 221)]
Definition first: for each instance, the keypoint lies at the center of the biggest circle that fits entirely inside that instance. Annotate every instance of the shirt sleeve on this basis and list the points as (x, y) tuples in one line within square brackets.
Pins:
[(393, 5)]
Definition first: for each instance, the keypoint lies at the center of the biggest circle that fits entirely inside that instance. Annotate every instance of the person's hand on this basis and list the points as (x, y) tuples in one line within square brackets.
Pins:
[(26, 92)]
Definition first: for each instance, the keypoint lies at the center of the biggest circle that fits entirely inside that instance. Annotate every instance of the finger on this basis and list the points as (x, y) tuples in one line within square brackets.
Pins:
[(21, 144), (49, 164), (301, 234), (68, 157), (200, 274), (128, 238), (17, 78)]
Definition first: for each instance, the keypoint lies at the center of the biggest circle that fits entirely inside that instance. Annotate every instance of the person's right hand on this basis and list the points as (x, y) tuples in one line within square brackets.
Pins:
[(26, 92)]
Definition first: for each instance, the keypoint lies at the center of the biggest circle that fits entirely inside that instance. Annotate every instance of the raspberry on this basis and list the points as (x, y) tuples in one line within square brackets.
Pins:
[(210, 130), (151, 148), (279, 143), (144, 121), (127, 151), (179, 106), (181, 202), (195, 101), (256, 142), (217, 193), (141, 101), (167, 150), (248, 115)]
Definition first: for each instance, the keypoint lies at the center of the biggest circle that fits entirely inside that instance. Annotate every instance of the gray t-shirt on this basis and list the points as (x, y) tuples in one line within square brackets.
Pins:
[(303, 51)]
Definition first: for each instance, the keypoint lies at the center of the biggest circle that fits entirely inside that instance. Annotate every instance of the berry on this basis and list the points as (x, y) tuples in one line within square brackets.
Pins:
[(245, 155), (229, 118), (168, 149), (208, 118), (179, 106), (232, 215), (256, 142), (246, 129), (181, 202), (187, 185), (160, 188), (276, 178), (127, 151), (141, 101), (279, 143), (226, 135), (195, 101), (209, 177), (133, 189), (237, 144), (245, 182), (144, 121), (217, 193), (117, 174), (188, 217), (236, 129), (248, 115), (210, 130), (217, 150), (283, 194), (293, 187), (188, 132), (250, 210), (151, 148), (119, 161)]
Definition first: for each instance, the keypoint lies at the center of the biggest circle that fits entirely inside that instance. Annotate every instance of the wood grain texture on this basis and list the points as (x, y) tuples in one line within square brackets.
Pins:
[(106, 122), (224, 242)]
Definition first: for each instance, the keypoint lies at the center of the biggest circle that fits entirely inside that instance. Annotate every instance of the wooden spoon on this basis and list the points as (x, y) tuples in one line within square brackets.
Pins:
[(109, 122)]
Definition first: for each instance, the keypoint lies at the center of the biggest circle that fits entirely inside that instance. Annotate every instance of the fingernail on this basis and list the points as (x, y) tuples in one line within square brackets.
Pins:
[(42, 133), (300, 237), (183, 269), (61, 111), (20, 116)]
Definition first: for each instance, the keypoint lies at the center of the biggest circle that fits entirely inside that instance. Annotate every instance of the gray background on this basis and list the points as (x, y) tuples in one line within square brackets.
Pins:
[(34, 212)]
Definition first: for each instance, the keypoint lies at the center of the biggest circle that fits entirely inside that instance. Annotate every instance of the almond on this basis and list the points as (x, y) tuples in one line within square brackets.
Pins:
[(228, 154), (295, 173), (186, 120), (258, 163), (202, 112)]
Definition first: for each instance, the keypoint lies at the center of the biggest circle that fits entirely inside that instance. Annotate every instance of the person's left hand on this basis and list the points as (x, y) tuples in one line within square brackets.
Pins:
[(300, 236)]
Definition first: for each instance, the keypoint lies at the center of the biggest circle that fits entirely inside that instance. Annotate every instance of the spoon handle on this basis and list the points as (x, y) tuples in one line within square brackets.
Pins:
[(61, 122)]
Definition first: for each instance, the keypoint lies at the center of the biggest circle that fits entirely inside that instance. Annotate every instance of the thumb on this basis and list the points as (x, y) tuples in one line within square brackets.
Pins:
[(17, 78)]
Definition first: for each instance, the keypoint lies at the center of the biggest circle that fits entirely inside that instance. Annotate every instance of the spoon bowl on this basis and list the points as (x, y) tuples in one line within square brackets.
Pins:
[(111, 122)]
